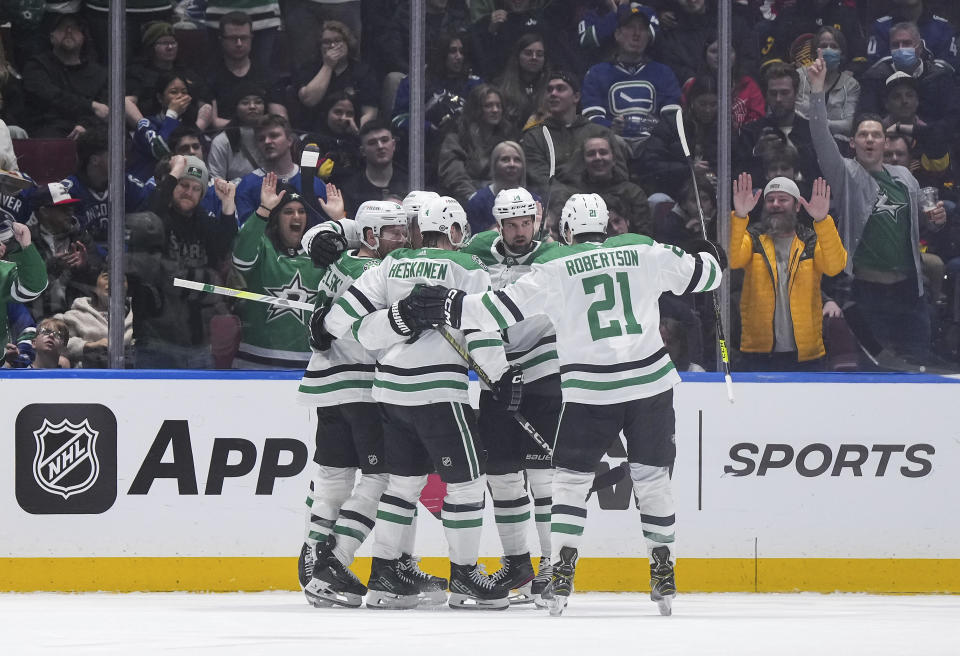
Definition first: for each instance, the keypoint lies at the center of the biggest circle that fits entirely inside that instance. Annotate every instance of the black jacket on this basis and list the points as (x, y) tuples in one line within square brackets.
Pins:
[(58, 96)]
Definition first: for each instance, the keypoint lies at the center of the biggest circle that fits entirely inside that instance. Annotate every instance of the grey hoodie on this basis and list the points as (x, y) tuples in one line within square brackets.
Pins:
[(855, 191)]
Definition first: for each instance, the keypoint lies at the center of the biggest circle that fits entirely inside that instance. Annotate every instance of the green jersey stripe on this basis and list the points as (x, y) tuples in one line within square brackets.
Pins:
[(418, 387), (618, 384), (333, 387), (349, 532), (463, 523), (541, 517), (494, 312), (483, 343), (396, 519), (658, 537), (570, 529), (711, 277), (467, 440), (346, 307), (540, 359), (512, 519)]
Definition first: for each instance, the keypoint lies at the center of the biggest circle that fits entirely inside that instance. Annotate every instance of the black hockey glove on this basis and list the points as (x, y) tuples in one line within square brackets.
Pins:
[(320, 339), (509, 390), (326, 248), (712, 247), (438, 305), (406, 319)]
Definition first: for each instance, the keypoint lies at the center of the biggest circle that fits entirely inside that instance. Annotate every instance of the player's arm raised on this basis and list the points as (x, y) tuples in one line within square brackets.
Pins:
[(681, 272)]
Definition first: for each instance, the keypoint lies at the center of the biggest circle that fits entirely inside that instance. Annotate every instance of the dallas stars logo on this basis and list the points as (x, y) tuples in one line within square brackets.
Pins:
[(294, 291), (886, 208)]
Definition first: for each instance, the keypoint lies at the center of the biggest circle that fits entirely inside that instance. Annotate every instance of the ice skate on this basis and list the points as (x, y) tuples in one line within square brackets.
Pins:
[(333, 581), (305, 566), (433, 589), (662, 586), (388, 588), (540, 581), (557, 593), (516, 575), (472, 589)]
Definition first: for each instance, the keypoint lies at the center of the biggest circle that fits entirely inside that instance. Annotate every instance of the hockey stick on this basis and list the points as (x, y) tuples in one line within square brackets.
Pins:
[(485, 379), (309, 159), (681, 132), (239, 293), (553, 169)]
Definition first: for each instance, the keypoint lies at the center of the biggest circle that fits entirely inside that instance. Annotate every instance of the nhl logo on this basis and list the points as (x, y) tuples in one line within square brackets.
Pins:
[(447, 461), (66, 460), (372, 459)]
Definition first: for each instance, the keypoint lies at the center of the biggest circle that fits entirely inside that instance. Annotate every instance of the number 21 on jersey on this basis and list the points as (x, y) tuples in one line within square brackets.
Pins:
[(607, 290)]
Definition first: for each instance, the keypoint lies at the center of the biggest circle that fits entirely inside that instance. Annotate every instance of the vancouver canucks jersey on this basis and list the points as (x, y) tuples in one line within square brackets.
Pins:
[(344, 372), (427, 369), (532, 343), (274, 337), (602, 300)]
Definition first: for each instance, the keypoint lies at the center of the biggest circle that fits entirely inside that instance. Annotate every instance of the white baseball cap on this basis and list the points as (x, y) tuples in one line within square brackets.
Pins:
[(786, 185)]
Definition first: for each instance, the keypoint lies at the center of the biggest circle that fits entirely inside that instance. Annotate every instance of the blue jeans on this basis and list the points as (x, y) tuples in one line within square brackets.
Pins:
[(895, 314)]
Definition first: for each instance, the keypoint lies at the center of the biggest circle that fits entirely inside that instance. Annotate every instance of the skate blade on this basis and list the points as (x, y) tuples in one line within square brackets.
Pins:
[(432, 597), (556, 604), (320, 595), (378, 600), (459, 601), (539, 601), (521, 595), (666, 605)]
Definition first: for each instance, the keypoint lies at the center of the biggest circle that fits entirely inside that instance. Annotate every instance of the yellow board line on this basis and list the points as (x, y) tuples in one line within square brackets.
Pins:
[(875, 575)]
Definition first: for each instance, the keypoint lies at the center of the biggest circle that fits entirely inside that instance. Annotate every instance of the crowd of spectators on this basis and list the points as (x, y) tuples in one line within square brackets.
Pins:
[(852, 97)]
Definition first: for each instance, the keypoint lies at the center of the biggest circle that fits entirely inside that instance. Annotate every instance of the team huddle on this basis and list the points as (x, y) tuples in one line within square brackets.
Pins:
[(566, 335)]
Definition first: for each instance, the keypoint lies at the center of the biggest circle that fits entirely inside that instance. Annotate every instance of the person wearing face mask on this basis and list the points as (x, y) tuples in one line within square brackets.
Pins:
[(939, 36), (843, 91), (937, 87)]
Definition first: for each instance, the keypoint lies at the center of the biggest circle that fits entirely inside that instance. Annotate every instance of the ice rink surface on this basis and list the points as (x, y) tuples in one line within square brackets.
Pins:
[(594, 623)]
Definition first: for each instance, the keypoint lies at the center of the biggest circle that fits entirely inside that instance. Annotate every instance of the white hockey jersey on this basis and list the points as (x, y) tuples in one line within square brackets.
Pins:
[(428, 370), (344, 372), (602, 300), (532, 343)]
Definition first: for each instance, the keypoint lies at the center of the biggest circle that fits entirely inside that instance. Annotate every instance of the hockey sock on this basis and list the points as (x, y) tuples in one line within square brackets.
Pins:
[(409, 540), (397, 508), (655, 502), (511, 508), (569, 510), (462, 517), (357, 515), (541, 484), (330, 487)]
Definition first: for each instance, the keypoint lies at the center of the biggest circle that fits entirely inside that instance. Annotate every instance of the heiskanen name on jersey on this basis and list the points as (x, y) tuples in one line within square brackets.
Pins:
[(427, 370), (602, 299)]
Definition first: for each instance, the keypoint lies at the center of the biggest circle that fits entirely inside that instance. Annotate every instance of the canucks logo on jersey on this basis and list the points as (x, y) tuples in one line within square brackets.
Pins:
[(293, 290)]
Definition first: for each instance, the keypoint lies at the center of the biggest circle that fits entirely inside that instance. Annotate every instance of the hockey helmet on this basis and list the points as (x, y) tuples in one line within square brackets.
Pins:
[(583, 214), (511, 203), (415, 200), (379, 214), (440, 214)]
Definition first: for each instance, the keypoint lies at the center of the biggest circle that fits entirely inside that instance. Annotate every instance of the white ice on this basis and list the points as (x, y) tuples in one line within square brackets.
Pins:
[(594, 623)]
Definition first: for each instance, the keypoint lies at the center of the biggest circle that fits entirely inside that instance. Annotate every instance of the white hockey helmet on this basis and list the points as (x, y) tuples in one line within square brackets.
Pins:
[(440, 214), (583, 214), (415, 200), (511, 203), (379, 214)]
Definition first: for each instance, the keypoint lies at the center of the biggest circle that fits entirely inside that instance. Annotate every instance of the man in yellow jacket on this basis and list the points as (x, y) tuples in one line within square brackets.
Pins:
[(781, 309)]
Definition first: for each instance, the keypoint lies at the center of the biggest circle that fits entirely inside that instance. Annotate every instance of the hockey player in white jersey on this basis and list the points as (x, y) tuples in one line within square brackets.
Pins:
[(412, 203), (615, 373), (531, 345), (421, 384), (339, 382)]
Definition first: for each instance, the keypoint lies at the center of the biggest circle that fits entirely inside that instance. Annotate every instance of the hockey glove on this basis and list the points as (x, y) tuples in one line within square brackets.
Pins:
[(406, 320), (438, 305), (320, 339), (509, 390), (711, 247), (326, 247)]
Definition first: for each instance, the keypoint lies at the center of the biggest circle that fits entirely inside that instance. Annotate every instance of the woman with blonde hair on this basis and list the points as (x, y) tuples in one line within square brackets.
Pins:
[(508, 169)]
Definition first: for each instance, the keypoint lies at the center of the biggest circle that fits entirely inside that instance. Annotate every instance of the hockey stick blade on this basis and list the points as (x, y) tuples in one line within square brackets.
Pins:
[(542, 232), (682, 133), (240, 293), (610, 477)]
